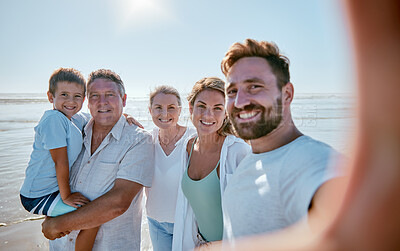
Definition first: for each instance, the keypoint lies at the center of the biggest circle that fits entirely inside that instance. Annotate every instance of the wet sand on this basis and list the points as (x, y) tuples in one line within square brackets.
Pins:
[(26, 235)]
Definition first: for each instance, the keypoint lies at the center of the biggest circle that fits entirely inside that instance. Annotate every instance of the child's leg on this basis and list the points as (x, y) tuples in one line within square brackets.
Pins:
[(85, 239)]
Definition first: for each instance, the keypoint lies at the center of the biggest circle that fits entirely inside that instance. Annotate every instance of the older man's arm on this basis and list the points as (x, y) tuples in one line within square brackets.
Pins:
[(103, 209)]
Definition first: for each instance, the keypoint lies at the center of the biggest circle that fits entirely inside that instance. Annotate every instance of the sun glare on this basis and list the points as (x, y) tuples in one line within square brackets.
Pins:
[(140, 13)]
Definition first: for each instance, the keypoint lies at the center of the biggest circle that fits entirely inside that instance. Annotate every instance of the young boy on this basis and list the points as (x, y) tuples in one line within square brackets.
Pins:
[(58, 142)]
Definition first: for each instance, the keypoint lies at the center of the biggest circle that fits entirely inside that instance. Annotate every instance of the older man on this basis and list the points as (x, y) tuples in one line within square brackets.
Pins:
[(115, 163), (283, 179)]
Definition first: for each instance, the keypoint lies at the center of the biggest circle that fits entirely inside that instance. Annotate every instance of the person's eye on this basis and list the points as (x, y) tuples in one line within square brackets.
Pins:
[(94, 95), (254, 86), (78, 96), (110, 94), (231, 92), (201, 106), (64, 94), (218, 108), (171, 108)]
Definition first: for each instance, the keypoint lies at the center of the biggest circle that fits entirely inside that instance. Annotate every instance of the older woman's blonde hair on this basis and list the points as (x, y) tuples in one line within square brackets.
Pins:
[(165, 89), (216, 84)]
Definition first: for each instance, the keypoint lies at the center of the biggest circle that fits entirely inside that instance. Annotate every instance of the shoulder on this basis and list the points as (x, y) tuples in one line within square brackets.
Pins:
[(81, 119), (53, 117), (189, 142), (306, 157), (311, 148), (53, 114), (136, 134), (234, 143), (190, 132)]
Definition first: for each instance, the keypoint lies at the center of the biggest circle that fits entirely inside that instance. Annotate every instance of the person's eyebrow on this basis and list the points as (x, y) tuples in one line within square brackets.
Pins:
[(254, 80)]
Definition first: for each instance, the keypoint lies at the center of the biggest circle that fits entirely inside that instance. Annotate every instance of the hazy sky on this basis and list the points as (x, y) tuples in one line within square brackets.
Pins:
[(175, 42)]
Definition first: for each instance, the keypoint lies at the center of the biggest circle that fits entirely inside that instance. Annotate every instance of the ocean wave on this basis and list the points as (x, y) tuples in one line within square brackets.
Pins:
[(330, 117), (324, 96), (18, 121), (22, 101), (2, 224)]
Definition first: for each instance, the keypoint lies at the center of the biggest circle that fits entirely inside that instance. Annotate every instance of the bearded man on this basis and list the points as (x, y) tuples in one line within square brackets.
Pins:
[(284, 179)]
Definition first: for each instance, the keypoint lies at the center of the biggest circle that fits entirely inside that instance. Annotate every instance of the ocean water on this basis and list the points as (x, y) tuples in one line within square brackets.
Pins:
[(326, 117)]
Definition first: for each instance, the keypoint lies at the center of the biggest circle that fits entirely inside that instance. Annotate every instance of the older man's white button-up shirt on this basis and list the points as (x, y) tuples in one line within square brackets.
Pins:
[(127, 152)]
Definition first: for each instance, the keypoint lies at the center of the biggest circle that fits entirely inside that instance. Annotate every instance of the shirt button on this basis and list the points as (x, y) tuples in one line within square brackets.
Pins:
[(70, 239), (88, 162)]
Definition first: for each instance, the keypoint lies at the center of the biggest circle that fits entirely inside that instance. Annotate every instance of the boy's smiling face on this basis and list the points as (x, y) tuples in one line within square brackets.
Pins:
[(68, 98)]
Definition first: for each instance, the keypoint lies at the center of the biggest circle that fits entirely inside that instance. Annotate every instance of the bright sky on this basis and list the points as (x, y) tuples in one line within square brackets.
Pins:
[(175, 42)]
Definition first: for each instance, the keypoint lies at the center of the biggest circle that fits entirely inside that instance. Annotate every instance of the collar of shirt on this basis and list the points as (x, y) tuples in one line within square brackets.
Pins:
[(116, 131)]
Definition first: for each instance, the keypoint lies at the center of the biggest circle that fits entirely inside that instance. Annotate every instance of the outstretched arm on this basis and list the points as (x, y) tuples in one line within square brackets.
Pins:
[(368, 218), (103, 209)]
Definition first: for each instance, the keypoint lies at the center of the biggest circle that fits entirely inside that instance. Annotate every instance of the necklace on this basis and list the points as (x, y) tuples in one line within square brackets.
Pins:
[(168, 141)]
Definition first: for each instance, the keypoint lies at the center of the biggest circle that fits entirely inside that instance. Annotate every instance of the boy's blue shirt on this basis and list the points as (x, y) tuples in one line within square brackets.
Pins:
[(54, 130)]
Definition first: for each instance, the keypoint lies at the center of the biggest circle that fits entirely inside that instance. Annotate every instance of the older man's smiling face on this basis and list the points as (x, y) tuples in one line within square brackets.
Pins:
[(105, 102)]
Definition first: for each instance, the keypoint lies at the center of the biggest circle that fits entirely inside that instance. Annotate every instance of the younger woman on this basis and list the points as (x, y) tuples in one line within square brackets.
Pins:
[(210, 158)]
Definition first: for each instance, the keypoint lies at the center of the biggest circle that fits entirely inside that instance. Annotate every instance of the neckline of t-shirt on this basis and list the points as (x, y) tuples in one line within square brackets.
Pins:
[(282, 148), (176, 144)]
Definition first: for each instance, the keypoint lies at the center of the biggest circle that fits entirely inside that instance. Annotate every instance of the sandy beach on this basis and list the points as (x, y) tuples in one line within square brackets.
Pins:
[(26, 235)]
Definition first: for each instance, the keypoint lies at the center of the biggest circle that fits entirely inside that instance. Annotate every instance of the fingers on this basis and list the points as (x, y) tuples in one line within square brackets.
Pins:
[(62, 234), (76, 200), (45, 229), (79, 198), (132, 121), (48, 230), (138, 124), (70, 203)]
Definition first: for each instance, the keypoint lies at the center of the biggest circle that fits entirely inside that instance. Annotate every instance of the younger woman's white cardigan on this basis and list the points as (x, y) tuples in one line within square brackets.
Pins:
[(185, 227)]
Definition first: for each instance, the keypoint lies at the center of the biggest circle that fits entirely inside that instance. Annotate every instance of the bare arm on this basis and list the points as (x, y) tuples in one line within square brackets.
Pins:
[(369, 217), (103, 209), (60, 158), (326, 203)]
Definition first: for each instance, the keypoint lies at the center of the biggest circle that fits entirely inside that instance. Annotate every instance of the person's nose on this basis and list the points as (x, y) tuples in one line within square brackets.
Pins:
[(208, 113), (242, 99), (102, 99), (164, 112)]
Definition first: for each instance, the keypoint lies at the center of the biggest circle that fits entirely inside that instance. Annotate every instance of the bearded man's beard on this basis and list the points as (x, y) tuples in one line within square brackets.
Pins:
[(270, 119)]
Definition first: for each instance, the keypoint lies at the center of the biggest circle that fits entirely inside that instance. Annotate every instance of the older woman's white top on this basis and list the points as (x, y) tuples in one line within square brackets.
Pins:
[(185, 228), (161, 197)]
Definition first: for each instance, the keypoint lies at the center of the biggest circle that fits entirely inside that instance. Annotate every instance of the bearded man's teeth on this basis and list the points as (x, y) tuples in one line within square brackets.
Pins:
[(247, 115)]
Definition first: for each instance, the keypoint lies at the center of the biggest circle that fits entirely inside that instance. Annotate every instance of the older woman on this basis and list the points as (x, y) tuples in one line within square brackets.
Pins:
[(169, 138), (210, 157)]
